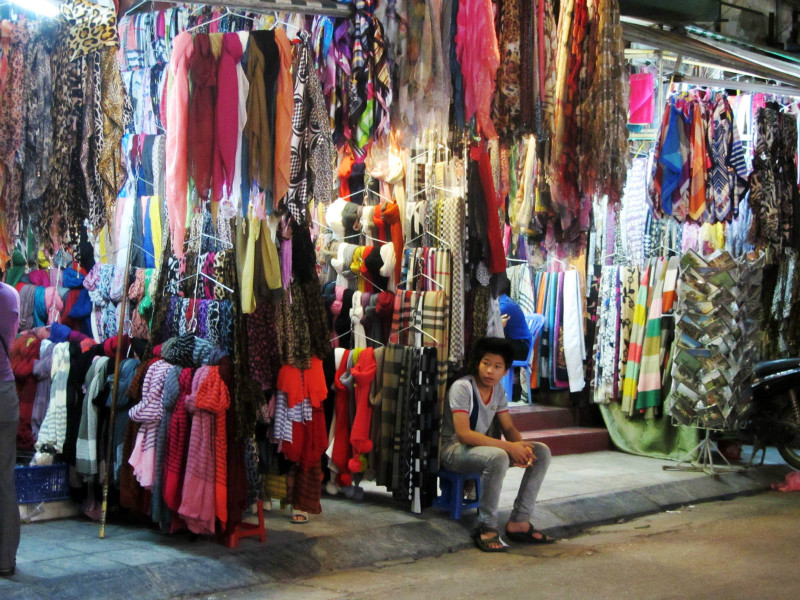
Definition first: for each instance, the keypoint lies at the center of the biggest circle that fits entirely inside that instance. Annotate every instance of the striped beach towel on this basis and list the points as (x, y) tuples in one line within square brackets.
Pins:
[(633, 363)]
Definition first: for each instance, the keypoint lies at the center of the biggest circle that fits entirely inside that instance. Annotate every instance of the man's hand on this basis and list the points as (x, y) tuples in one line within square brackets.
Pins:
[(521, 453), (504, 319)]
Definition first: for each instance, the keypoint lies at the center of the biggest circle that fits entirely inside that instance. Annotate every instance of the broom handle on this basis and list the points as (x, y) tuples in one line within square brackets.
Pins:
[(114, 387)]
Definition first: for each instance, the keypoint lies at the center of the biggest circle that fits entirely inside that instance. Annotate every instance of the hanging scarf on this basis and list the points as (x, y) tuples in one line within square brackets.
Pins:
[(213, 396), (226, 127), (297, 198), (200, 131), (177, 115), (477, 51), (257, 128), (283, 119)]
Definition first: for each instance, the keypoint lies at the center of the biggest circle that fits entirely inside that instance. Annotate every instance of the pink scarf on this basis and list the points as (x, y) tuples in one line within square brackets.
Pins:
[(227, 122), (176, 123)]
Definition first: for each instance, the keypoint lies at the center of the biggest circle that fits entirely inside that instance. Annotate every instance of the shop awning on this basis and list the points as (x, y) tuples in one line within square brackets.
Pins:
[(715, 52)]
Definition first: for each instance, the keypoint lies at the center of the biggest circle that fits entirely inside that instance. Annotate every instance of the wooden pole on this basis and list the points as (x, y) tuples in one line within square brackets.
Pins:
[(114, 387)]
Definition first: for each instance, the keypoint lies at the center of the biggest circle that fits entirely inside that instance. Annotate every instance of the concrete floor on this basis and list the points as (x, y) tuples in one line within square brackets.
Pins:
[(740, 549)]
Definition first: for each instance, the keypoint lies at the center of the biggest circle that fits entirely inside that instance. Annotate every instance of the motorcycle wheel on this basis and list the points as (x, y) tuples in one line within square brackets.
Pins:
[(790, 451)]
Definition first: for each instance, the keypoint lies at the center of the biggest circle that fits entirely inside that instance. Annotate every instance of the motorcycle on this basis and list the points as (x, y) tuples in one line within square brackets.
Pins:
[(775, 419)]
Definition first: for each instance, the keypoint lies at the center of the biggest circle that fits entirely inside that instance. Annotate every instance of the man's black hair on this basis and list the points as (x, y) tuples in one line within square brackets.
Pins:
[(490, 345)]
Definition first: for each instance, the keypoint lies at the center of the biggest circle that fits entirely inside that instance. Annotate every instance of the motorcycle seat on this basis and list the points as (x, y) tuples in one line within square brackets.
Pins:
[(769, 367)]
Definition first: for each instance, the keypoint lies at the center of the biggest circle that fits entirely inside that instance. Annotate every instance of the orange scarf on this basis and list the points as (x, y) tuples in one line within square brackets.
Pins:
[(213, 396)]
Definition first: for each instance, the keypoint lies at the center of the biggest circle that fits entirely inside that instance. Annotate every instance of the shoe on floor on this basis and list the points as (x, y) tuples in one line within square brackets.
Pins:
[(8, 572)]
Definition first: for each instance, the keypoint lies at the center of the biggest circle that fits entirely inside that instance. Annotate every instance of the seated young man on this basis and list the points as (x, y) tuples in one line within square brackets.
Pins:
[(474, 400)]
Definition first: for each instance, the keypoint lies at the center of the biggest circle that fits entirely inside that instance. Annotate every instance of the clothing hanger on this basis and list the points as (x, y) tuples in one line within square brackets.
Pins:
[(446, 245), (226, 13), (417, 329), (205, 235), (566, 264), (325, 227), (366, 337), (369, 237), (136, 6), (425, 275), (379, 195), (350, 195), (207, 276), (150, 254)]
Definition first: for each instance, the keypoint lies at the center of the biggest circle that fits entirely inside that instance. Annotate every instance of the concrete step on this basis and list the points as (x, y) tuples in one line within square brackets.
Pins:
[(570, 440), (530, 417)]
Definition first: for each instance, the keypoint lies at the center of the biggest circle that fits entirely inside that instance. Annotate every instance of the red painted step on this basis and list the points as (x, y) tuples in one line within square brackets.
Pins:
[(570, 440), (531, 417)]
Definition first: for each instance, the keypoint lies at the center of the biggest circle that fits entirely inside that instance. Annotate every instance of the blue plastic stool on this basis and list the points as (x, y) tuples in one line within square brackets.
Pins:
[(452, 492)]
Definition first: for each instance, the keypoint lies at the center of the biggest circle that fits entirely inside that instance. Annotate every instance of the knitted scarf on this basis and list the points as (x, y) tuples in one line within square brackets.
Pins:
[(54, 426), (86, 445)]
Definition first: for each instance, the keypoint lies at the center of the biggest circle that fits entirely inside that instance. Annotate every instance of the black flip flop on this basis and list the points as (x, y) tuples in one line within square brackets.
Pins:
[(528, 537), (485, 544)]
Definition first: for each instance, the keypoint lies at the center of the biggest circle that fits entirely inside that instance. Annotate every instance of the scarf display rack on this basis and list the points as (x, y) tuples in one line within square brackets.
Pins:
[(323, 209)]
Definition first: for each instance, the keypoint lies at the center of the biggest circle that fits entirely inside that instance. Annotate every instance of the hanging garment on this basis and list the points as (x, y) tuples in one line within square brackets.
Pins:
[(226, 125), (177, 123), (148, 412), (86, 445), (479, 56), (574, 340), (283, 118), (637, 337)]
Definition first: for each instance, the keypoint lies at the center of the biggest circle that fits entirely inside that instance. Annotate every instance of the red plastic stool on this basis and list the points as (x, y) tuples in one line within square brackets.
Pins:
[(248, 529)]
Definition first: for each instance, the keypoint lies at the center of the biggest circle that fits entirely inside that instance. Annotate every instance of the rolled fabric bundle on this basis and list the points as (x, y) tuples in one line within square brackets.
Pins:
[(70, 278), (26, 298)]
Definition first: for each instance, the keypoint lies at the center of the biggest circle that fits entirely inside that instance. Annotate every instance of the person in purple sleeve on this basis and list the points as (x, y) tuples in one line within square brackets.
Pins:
[(9, 420)]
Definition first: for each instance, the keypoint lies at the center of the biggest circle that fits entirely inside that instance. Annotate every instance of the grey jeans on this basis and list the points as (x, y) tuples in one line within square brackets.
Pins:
[(9, 510), (492, 463)]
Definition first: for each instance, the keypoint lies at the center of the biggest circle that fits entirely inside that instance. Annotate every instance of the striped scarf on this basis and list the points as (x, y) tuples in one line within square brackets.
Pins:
[(86, 444), (168, 399), (214, 397), (148, 412), (633, 363), (649, 384), (54, 427), (175, 444)]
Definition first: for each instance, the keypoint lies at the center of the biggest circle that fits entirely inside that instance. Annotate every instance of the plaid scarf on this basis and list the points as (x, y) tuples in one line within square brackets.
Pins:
[(393, 356)]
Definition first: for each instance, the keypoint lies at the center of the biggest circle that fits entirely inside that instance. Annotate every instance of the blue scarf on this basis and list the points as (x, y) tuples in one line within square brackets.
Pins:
[(39, 307), (72, 279), (59, 333)]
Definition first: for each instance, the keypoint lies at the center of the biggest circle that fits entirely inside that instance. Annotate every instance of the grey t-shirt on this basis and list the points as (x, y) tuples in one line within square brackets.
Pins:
[(460, 399)]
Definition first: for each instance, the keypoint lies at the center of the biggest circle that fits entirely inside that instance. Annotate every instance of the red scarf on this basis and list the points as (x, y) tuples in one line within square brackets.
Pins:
[(227, 123), (203, 68), (213, 396)]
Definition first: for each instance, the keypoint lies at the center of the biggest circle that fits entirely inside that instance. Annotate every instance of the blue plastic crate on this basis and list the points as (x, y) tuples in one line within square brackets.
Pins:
[(41, 484)]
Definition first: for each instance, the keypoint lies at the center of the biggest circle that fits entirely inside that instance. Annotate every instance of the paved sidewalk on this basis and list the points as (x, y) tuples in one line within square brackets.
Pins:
[(65, 559)]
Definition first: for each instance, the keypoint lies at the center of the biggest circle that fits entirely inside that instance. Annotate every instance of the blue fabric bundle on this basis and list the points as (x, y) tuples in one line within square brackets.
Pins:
[(82, 307), (72, 279), (39, 307), (59, 333)]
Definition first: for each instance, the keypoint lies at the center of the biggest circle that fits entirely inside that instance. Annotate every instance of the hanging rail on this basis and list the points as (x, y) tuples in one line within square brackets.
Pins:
[(326, 8)]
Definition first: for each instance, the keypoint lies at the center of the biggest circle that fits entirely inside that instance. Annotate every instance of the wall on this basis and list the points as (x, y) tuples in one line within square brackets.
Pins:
[(746, 25)]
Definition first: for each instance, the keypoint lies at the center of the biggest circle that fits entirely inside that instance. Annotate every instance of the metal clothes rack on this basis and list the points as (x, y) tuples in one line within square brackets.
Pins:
[(325, 8)]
